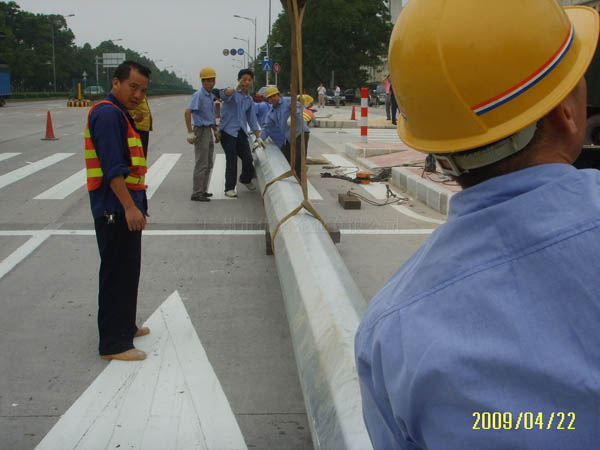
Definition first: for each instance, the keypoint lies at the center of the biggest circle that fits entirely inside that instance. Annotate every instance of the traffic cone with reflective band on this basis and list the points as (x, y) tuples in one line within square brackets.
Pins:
[(353, 116), (49, 130)]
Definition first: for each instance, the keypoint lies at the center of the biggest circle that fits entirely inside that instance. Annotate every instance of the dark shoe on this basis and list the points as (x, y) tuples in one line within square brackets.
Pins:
[(133, 354), (394, 122), (199, 198), (207, 194), (142, 332)]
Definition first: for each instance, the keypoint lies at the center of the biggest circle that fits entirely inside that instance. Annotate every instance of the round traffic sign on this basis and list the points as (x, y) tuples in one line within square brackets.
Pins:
[(240, 51), (226, 52), (276, 67), (233, 52)]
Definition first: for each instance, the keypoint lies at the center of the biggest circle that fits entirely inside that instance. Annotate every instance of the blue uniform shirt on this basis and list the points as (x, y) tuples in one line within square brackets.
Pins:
[(276, 126), (498, 312), (108, 130), (262, 110), (202, 105), (237, 112)]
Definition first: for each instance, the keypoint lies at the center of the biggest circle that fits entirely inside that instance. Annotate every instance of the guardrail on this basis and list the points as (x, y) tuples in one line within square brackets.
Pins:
[(323, 306)]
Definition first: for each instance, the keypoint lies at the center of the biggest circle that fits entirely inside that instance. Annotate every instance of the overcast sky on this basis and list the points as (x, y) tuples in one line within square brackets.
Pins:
[(185, 34)]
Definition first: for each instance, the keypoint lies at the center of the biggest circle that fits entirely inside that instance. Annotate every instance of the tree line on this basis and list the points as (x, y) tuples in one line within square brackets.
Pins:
[(27, 49)]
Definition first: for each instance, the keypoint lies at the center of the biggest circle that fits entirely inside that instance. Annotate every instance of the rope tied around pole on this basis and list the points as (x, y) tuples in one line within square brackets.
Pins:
[(295, 10)]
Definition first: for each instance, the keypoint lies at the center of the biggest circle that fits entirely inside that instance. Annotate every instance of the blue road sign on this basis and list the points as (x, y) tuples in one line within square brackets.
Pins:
[(233, 52), (240, 51), (267, 66)]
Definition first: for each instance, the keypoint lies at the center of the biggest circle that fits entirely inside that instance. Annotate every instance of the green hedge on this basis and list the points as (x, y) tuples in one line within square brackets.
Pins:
[(30, 95)]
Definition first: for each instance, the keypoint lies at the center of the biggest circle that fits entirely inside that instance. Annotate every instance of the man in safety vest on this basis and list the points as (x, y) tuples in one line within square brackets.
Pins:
[(487, 337), (116, 169), (278, 124)]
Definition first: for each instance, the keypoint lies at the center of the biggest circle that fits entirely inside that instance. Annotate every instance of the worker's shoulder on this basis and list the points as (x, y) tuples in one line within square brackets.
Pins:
[(107, 113)]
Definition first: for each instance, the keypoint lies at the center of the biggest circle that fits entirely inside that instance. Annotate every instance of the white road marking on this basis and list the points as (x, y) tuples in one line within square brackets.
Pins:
[(4, 156), (217, 179), (64, 188), (313, 194), (37, 239), (171, 400), (389, 232), (376, 134), (410, 213), (159, 171), (19, 174)]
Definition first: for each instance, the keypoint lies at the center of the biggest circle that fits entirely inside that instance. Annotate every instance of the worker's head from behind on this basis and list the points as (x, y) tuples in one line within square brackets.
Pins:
[(273, 96), (208, 77), (491, 84), (130, 83), (246, 78)]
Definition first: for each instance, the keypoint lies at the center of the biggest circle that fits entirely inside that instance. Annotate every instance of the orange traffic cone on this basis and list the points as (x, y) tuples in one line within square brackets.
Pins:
[(49, 130), (353, 116)]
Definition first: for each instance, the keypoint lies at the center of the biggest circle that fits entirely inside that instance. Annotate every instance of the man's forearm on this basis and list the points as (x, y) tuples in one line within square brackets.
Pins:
[(188, 120), (119, 187)]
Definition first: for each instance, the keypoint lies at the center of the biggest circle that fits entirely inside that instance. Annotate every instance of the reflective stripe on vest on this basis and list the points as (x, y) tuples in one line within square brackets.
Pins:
[(135, 181)]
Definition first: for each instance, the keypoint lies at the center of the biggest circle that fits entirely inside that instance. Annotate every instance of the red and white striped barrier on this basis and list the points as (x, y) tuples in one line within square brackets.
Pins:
[(364, 113)]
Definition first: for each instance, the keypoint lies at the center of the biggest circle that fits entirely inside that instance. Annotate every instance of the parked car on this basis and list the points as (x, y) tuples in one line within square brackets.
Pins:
[(93, 90), (330, 98), (349, 94), (260, 94), (380, 94)]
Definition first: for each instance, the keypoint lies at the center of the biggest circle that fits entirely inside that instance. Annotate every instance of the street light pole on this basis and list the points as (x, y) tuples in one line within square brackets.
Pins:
[(247, 41), (254, 23), (53, 52)]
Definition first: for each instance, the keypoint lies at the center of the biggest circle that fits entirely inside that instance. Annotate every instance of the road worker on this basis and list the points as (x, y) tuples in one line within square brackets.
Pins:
[(116, 168), (278, 126), (237, 114), (201, 123), (487, 337)]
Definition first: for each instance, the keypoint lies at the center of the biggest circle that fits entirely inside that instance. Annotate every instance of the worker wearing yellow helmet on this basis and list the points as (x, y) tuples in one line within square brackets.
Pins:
[(487, 337), (200, 120), (278, 125)]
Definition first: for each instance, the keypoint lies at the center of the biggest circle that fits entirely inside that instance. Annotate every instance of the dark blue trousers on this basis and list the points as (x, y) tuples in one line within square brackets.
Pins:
[(235, 147)]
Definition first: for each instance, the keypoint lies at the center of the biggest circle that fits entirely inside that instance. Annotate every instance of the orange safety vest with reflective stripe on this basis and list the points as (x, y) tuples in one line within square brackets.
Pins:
[(308, 115), (136, 178)]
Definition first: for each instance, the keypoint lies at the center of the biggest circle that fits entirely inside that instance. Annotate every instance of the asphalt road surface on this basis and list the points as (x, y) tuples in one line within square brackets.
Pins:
[(210, 255)]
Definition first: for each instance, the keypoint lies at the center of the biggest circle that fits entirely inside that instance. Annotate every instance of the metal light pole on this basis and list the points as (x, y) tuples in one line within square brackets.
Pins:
[(268, 38), (53, 53), (253, 22), (247, 41)]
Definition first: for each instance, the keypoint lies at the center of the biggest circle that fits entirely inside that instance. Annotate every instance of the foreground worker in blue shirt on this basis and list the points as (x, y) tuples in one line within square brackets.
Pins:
[(116, 169), (487, 337), (278, 125), (237, 114)]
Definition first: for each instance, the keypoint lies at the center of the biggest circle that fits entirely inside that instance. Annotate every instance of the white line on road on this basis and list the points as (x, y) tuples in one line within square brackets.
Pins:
[(173, 399), (4, 156), (217, 179), (19, 174), (64, 188), (37, 239), (159, 171), (410, 213)]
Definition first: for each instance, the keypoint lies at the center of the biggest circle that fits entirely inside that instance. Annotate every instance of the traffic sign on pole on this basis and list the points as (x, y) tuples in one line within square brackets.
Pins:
[(226, 52), (233, 52), (276, 68), (240, 51), (267, 66)]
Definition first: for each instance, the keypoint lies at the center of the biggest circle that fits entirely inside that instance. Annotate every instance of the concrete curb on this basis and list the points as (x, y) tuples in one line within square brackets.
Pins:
[(329, 123), (422, 189), (323, 306)]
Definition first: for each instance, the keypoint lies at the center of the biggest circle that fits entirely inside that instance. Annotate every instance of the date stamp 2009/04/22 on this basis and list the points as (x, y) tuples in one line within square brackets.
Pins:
[(486, 420)]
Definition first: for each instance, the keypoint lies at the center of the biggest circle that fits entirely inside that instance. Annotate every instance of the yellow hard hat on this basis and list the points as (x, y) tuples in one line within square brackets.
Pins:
[(470, 73), (207, 72), (271, 91)]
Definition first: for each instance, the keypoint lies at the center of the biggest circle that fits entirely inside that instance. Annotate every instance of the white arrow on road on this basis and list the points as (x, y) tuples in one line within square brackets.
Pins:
[(172, 400)]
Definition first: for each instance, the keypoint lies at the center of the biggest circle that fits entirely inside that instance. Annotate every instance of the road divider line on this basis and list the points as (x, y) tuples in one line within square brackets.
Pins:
[(25, 171), (217, 179), (173, 399), (4, 156), (159, 171), (64, 188), (37, 239)]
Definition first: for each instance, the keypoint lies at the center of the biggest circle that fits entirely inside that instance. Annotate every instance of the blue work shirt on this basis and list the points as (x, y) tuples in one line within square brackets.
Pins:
[(262, 110), (108, 130), (276, 126), (202, 105), (498, 312), (237, 112)]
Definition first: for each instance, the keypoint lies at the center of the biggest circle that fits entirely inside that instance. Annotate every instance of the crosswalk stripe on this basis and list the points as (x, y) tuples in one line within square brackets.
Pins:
[(19, 174), (159, 171), (377, 135), (217, 178), (64, 188), (4, 156), (313, 194)]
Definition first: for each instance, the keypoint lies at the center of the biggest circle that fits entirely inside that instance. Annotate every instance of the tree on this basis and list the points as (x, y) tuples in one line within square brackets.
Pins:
[(343, 36)]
